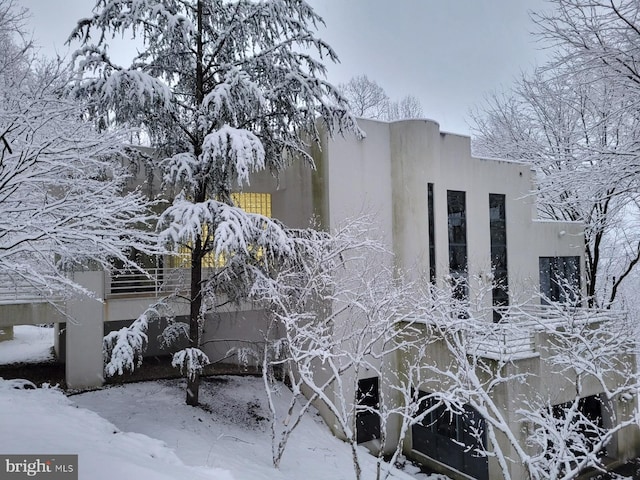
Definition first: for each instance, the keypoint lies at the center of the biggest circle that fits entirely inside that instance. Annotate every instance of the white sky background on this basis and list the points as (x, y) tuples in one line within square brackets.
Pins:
[(448, 53)]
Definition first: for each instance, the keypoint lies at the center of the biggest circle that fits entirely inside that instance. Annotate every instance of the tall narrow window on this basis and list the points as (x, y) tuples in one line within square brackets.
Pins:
[(432, 234), (498, 234), (559, 279), (457, 218), (367, 419)]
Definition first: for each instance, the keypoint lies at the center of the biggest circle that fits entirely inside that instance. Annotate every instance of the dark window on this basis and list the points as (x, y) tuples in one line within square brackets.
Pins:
[(454, 439), (457, 220), (586, 419), (432, 234), (559, 279), (498, 234), (367, 419)]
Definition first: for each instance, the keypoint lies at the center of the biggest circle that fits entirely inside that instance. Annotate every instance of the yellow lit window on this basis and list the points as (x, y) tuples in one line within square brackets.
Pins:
[(250, 202), (253, 202)]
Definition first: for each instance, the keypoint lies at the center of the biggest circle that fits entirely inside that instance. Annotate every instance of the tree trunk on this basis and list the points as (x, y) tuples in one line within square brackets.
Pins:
[(193, 382), (355, 459), (193, 390)]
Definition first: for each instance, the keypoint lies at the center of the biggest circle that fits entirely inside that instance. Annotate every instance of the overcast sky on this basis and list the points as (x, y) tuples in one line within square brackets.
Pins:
[(448, 53)]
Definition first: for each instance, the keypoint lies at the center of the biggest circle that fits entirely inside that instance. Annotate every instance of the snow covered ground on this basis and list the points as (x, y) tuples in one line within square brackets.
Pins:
[(144, 431), (30, 344)]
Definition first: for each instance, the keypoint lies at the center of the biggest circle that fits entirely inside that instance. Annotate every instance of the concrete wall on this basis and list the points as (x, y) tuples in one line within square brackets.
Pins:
[(543, 384), (33, 313), (154, 348), (84, 332), (356, 179), (351, 181), (228, 330), (415, 148)]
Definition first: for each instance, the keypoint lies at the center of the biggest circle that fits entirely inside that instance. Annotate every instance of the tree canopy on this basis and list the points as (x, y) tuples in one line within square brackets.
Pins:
[(64, 201), (222, 89)]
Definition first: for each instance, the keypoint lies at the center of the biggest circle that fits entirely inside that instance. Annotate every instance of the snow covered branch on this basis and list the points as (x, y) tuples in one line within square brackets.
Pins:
[(64, 197)]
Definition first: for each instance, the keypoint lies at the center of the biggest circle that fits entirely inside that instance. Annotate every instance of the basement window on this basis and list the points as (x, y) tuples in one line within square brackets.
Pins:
[(368, 404), (452, 438)]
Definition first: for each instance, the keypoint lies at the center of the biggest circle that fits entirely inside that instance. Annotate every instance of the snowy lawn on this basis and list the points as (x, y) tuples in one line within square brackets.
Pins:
[(145, 431), (44, 421), (30, 344)]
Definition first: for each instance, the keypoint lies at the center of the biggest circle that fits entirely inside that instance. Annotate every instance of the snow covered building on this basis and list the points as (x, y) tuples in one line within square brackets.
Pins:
[(450, 217), (446, 216)]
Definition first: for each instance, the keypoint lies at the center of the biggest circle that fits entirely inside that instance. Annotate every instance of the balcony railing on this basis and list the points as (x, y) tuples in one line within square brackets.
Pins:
[(515, 335), (154, 283), (19, 290)]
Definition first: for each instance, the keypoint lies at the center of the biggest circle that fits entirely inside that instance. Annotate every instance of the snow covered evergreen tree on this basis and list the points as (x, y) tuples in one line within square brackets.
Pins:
[(222, 89), (63, 199)]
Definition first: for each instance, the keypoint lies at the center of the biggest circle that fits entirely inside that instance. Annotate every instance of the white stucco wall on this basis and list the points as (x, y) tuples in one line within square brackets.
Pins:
[(387, 173), (84, 332)]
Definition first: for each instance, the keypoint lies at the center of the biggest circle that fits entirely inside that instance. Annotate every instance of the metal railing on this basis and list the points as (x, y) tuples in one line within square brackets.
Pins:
[(16, 289), (515, 335), (154, 283), (500, 341)]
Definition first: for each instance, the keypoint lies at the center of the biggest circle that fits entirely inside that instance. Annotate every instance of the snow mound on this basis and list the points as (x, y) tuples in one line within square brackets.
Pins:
[(30, 344), (44, 421), (145, 431)]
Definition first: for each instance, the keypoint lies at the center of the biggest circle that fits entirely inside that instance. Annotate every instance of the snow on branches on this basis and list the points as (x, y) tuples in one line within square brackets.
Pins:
[(229, 230), (235, 147), (227, 151), (206, 64), (575, 119), (573, 356), (221, 100), (333, 318), (190, 362), (173, 334), (123, 349), (64, 201), (222, 89)]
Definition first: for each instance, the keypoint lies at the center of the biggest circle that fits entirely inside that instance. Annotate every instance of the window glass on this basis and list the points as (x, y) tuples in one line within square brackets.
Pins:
[(457, 226), (367, 419), (454, 439), (559, 279), (432, 234), (498, 235), (250, 202)]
